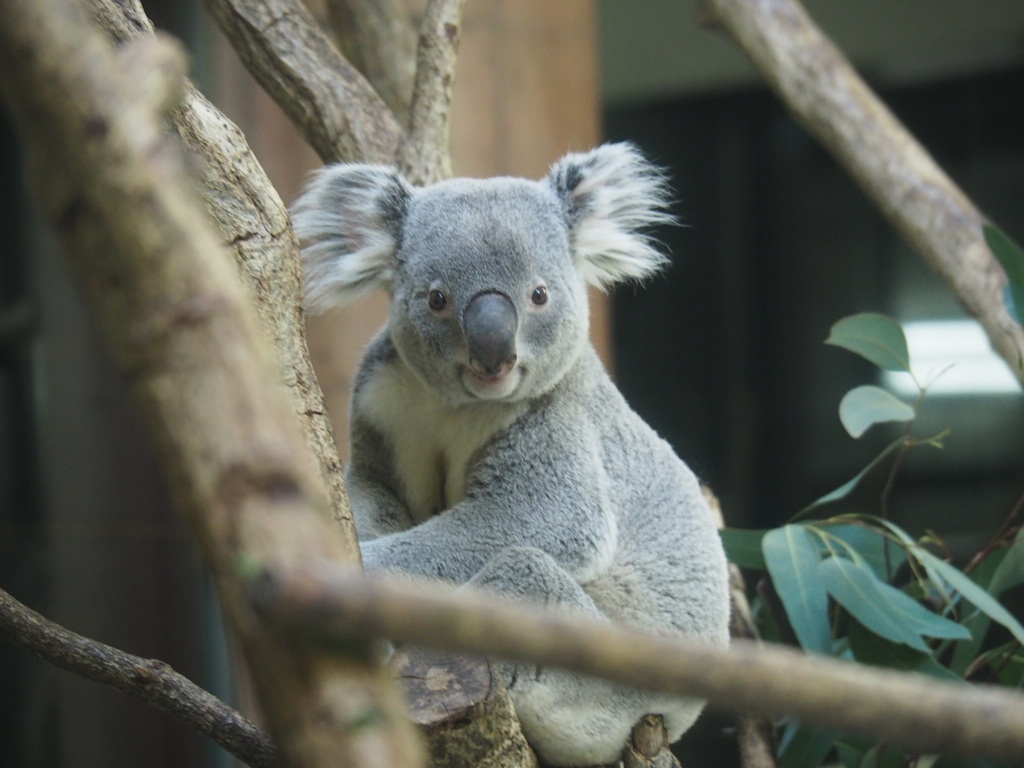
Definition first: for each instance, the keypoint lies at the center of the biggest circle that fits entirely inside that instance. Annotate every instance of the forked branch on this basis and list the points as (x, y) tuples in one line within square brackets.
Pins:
[(331, 103)]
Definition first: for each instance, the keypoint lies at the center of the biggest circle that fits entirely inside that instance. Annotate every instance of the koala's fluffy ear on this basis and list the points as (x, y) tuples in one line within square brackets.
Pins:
[(350, 220), (611, 196)]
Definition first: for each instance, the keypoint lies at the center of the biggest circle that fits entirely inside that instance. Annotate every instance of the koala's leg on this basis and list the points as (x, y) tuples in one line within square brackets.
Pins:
[(569, 719)]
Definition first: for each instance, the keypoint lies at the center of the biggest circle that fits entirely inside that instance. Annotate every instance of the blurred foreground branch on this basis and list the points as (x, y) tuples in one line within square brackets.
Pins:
[(825, 93), (253, 221), (168, 301), (332, 606)]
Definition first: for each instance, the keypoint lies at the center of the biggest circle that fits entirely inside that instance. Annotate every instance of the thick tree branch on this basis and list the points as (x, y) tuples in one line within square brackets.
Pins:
[(424, 156), (379, 38), (334, 606), (825, 93), (152, 681), (169, 303), (330, 102), (253, 221)]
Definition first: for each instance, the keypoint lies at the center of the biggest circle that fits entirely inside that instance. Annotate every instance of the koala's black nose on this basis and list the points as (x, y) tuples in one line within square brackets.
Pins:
[(490, 324)]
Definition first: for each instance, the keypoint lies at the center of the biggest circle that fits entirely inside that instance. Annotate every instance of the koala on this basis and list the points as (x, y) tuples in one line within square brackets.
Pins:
[(489, 447)]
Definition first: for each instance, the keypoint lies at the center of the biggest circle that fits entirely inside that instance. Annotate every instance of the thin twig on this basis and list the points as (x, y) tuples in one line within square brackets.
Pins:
[(1000, 538), (332, 607), (152, 681), (379, 38), (424, 156), (754, 736)]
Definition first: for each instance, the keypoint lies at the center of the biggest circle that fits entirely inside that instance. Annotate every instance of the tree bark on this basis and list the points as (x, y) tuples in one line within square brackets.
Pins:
[(825, 93), (152, 681), (253, 221), (331, 103), (462, 709), (424, 155), (379, 38), (169, 303)]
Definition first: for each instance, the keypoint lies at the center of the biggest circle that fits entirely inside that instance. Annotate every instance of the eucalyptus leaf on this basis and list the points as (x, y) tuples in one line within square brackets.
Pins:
[(807, 747), (858, 591), (884, 556), (1010, 571), (869, 648), (877, 338), (966, 651), (792, 558), (863, 407), (743, 547), (849, 755), (971, 592), (1011, 257)]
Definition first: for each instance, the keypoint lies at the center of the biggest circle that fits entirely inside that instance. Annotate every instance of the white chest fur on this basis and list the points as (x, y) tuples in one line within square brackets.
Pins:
[(432, 443)]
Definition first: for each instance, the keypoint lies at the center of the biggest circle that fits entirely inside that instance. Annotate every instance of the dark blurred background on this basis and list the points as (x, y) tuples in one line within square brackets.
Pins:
[(723, 355)]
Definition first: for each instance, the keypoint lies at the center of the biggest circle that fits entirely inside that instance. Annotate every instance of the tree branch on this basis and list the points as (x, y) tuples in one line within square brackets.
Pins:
[(330, 102), (379, 38), (754, 737), (424, 156), (825, 93), (169, 303), (150, 680), (333, 606), (253, 221)]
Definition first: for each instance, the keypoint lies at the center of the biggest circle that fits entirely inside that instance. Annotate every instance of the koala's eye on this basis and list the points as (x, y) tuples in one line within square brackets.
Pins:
[(437, 300), (539, 295)]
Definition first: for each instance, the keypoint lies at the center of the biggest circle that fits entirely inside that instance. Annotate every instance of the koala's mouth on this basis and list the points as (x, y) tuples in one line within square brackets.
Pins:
[(492, 386)]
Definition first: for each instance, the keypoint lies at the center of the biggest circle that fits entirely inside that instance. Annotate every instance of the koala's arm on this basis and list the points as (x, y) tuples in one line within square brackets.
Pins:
[(535, 486), (376, 507)]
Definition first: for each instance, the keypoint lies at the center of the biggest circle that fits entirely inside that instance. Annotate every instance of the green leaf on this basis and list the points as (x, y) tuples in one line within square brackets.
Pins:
[(884, 756), (1010, 571), (807, 747), (872, 545), (1011, 257), (850, 755), (970, 591), (877, 338), (743, 547), (857, 590), (869, 648), (865, 406), (847, 488), (792, 559), (966, 651)]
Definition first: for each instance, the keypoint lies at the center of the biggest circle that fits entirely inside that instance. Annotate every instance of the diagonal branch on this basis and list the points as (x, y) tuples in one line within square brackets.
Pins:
[(424, 156), (825, 93), (334, 607), (168, 301), (333, 106), (152, 681), (253, 221), (379, 38)]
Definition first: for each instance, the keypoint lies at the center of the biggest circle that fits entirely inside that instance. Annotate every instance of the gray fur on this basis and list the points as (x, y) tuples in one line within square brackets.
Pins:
[(539, 483)]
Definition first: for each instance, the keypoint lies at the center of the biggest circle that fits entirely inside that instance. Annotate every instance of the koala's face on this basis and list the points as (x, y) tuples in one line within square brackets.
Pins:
[(486, 301), (487, 278)]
